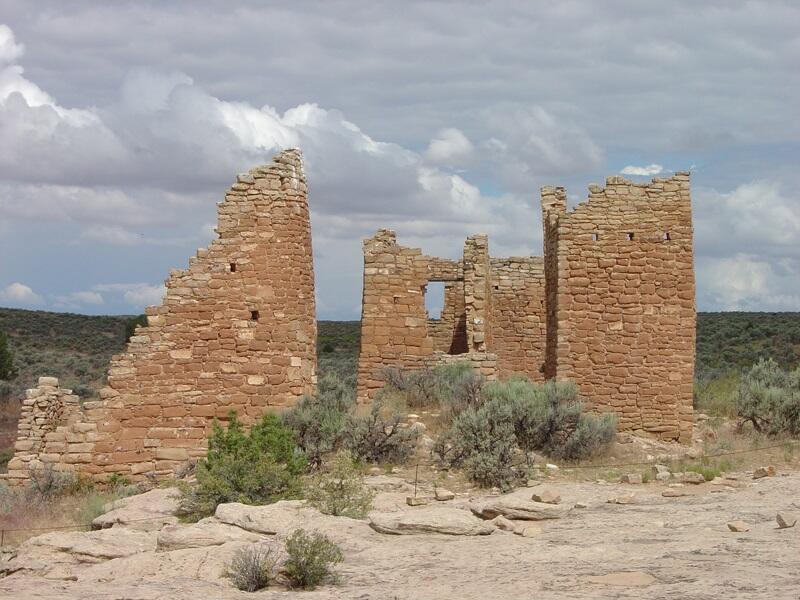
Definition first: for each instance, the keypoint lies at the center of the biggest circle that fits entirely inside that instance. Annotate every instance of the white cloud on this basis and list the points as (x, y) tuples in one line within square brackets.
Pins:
[(10, 51), (78, 299), (647, 171), (19, 293), (450, 146), (531, 143), (747, 282), (138, 295)]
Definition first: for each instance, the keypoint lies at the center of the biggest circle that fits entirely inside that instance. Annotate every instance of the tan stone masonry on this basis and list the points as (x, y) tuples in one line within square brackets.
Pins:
[(610, 305), (236, 331)]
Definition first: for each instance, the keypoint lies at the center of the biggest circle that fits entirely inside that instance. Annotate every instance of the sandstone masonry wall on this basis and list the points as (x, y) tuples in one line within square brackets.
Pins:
[(393, 315), (610, 305), (621, 314), (236, 331), (518, 324)]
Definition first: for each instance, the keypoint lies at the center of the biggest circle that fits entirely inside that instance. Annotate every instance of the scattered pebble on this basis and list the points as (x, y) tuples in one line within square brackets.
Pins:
[(442, 494), (738, 526), (761, 472), (785, 520), (547, 496), (631, 478)]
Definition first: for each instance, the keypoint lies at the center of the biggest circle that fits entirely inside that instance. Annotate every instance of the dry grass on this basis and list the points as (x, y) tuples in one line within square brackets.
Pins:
[(52, 501)]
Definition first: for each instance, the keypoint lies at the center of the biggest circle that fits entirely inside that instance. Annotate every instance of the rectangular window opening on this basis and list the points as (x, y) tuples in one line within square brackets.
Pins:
[(434, 299), (595, 236), (667, 236), (630, 236), (233, 267), (255, 315)]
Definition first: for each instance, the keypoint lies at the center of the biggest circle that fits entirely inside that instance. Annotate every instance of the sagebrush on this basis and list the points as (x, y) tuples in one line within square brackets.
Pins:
[(252, 568), (311, 558), (321, 422), (768, 398), (493, 439), (342, 491)]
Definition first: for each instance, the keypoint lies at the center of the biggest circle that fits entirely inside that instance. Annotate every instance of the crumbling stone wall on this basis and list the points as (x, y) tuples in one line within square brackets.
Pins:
[(393, 315), (610, 305), (44, 409), (621, 300), (518, 323), (236, 331)]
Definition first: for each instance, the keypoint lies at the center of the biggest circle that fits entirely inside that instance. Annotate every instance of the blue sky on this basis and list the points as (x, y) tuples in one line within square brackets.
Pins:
[(122, 124)]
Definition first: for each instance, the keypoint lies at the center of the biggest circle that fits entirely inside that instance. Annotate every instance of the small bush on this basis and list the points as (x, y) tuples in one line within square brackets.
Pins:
[(481, 441), (320, 423), (379, 438), (518, 416), (450, 388), (259, 467), (769, 399), (47, 484), (311, 558), (252, 568), (342, 491), (707, 471), (549, 418)]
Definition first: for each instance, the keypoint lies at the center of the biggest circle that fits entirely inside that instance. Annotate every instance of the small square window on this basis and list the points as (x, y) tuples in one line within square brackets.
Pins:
[(667, 236), (595, 236), (233, 267), (630, 236), (254, 315)]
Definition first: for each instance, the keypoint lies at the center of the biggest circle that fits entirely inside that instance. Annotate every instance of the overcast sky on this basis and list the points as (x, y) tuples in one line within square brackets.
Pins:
[(122, 124)]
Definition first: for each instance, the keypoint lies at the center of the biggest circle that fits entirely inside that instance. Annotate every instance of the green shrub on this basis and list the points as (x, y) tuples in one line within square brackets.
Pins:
[(481, 441), (520, 416), (379, 438), (252, 568), (320, 423), (258, 467), (707, 471), (311, 558), (7, 369), (342, 491), (769, 398)]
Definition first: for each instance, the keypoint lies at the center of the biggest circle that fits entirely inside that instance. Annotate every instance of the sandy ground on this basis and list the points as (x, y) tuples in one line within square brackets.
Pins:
[(655, 547)]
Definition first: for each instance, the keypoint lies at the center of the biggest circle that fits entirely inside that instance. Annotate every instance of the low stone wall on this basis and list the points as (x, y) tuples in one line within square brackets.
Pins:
[(50, 428)]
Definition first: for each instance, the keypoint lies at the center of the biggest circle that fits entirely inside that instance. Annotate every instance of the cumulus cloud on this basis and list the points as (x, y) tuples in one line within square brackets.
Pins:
[(106, 149), (137, 295), (19, 293), (450, 146), (529, 143), (78, 299), (647, 171)]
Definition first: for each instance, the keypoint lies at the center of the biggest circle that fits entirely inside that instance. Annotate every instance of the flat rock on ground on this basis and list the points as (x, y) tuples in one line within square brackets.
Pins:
[(443, 520), (658, 548), (148, 511), (517, 505)]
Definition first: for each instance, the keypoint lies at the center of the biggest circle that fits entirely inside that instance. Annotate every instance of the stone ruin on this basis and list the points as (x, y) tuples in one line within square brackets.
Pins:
[(236, 331), (610, 306)]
